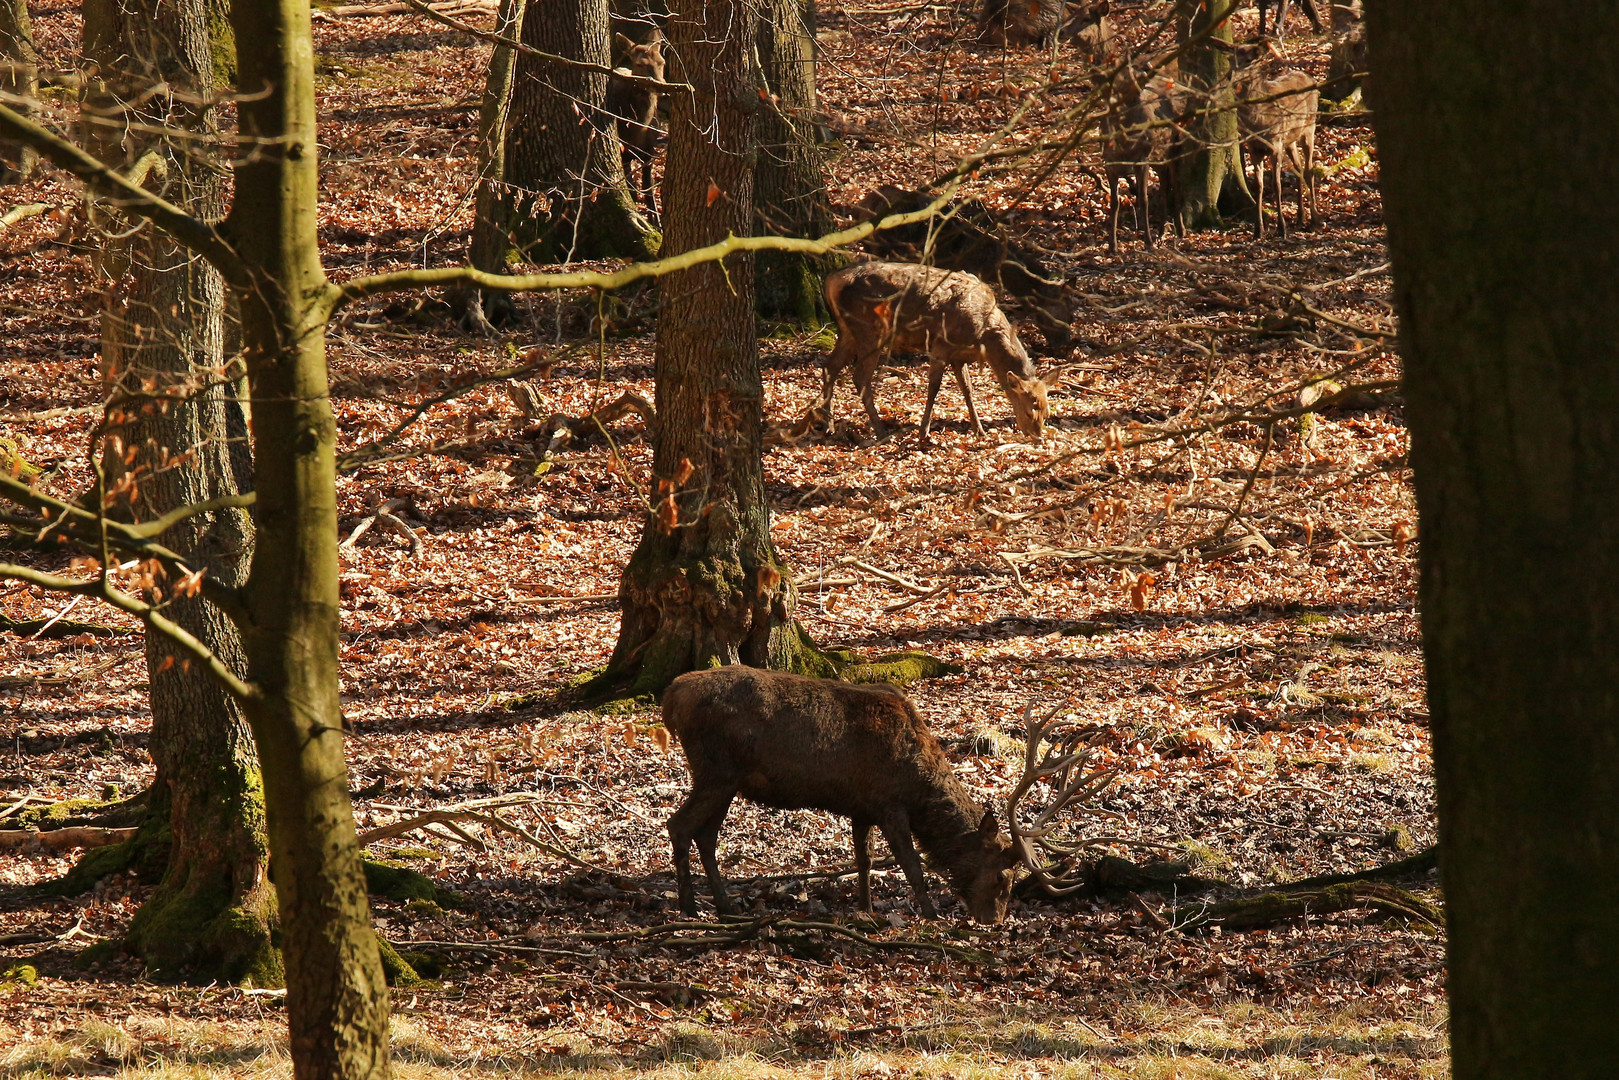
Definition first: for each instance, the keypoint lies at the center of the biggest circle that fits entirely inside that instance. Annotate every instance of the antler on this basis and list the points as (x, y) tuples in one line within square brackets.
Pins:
[(1062, 765)]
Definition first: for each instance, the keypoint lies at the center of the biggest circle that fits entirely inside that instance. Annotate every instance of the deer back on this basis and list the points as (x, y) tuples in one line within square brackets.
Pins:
[(794, 742), (1142, 127), (1281, 111), (904, 307)]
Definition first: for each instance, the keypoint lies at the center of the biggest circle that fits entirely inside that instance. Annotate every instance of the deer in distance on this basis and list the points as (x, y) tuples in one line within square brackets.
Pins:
[(635, 108), (951, 316), (864, 753), (1277, 117), (1141, 134)]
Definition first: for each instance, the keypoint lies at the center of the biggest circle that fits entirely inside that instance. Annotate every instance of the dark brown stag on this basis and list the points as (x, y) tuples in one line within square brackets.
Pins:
[(861, 752)]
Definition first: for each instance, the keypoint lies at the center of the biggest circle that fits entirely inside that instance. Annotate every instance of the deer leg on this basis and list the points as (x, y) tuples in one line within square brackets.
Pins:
[(1113, 229), (703, 808), (1144, 204), (935, 378), (1281, 209), (897, 831), (967, 392), (862, 863), (708, 836), (1259, 196), (865, 377)]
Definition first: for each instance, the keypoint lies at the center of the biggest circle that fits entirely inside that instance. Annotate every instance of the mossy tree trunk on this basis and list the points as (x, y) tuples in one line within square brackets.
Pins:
[(790, 197), (705, 586), (19, 78), (183, 440), (1498, 173), (490, 243), (564, 195), (1209, 173), (337, 1000)]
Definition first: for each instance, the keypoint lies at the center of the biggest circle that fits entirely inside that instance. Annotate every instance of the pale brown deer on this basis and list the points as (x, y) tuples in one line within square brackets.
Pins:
[(951, 316), (634, 105), (1277, 117), (1141, 133), (864, 753)]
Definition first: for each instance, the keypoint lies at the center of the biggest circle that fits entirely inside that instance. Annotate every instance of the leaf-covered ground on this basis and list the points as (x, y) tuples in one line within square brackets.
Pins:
[(1219, 586)]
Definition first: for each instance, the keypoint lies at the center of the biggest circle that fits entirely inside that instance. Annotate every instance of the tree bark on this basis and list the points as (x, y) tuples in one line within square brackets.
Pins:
[(337, 1000), (1210, 177), (490, 243), (163, 361), (705, 585), (19, 78), (565, 197), (789, 189), (1493, 123)]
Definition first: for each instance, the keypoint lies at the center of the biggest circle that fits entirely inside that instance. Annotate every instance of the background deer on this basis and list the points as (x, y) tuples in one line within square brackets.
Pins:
[(1139, 134), (884, 308), (858, 751), (635, 107), (1277, 117)]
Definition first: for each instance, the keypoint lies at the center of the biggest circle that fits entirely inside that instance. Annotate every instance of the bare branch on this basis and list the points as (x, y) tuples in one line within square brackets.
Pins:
[(154, 619), (130, 197)]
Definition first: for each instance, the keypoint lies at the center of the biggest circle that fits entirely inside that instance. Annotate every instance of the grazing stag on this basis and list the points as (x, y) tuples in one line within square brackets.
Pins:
[(1141, 133), (861, 752), (634, 105), (951, 316)]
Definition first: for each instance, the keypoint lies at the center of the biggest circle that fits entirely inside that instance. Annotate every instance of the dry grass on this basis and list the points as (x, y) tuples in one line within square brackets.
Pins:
[(1145, 1040)]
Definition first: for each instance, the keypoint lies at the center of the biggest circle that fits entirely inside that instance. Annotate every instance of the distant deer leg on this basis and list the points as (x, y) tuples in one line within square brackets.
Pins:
[(862, 863), (935, 379), (897, 831), (1281, 208), (699, 818), (967, 392), (1144, 204), (1259, 197), (1114, 201)]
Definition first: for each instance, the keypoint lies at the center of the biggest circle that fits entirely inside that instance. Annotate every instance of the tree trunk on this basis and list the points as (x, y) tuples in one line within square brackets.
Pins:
[(789, 190), (705, 586), (1209, 177), (565, 196), (1493, 125), (337, 1001), (19, 79), (163, 334), (490, 243)]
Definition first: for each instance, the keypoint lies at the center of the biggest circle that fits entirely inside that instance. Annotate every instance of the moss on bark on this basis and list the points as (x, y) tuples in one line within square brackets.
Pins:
[(403, 884)]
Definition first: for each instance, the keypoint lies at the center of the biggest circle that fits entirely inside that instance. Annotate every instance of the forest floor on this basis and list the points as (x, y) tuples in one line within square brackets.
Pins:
[(1263, 700)]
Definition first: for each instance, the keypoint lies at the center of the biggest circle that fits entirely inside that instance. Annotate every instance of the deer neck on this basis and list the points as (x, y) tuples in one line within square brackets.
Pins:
[(946, 827)]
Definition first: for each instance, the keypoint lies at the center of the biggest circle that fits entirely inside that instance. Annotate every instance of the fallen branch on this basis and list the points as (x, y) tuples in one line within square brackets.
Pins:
[(450, 7), (23, 213), (1283, 904), (450, 818), (1422, 861), (80, 836), (384, 513), (54, 628)]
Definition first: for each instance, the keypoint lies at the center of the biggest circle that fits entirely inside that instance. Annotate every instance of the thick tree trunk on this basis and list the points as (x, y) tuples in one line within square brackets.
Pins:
[(565, 196), (19, 80), (490, 243), (337, 1001), (1494, 124), (163, 334), (789, 190), (705, 586), (1210, 177)]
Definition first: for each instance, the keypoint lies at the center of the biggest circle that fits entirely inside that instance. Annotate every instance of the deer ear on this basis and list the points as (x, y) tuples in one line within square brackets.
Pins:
[(624, 40), (988, 828)]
